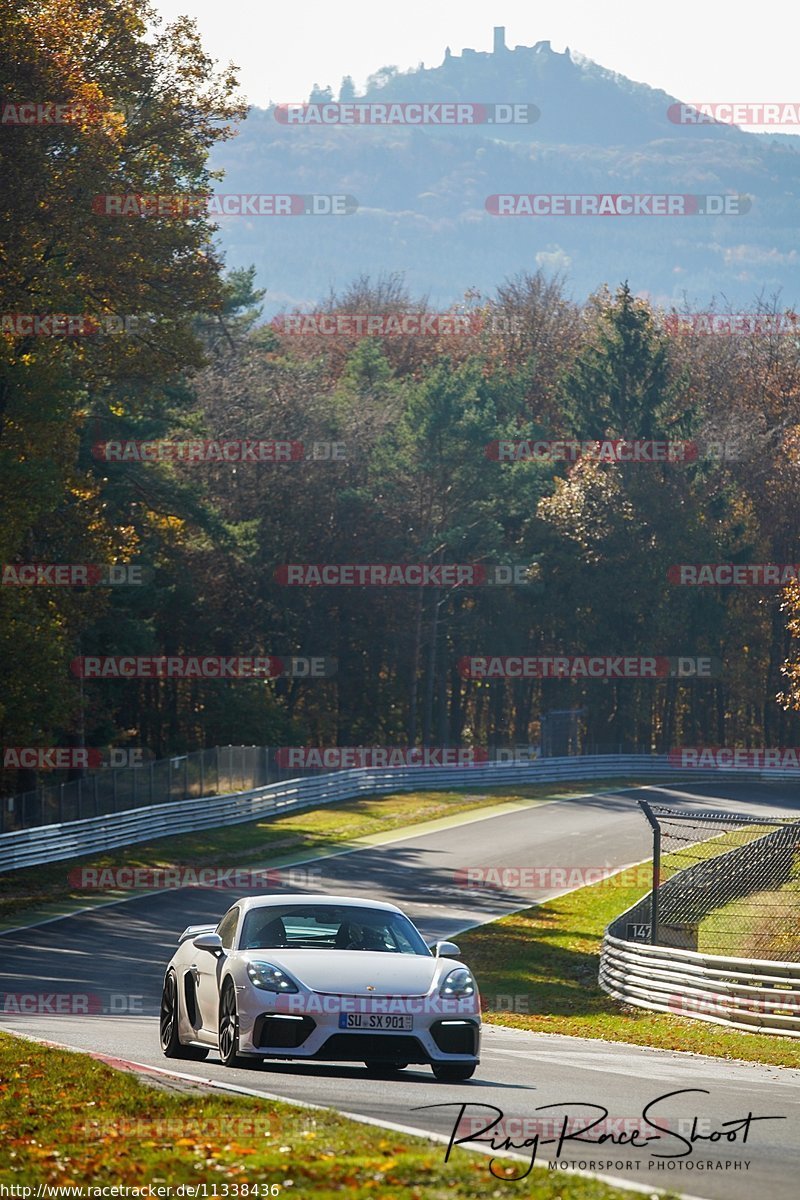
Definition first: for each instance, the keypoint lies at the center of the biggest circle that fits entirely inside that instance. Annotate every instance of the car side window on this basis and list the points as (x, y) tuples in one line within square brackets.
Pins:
[(227, 928)]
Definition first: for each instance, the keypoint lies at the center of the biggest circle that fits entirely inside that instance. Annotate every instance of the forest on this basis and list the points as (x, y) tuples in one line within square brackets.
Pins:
[(185, 464)]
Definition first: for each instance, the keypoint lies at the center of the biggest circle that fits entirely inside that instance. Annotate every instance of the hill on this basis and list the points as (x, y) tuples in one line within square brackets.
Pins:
[(422, 189)]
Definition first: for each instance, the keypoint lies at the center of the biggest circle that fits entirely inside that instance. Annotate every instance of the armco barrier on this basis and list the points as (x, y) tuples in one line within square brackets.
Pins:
[(751, 994), (52, 843)]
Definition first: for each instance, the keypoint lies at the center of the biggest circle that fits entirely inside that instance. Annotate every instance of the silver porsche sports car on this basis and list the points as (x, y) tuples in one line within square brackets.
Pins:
[(321, 978)]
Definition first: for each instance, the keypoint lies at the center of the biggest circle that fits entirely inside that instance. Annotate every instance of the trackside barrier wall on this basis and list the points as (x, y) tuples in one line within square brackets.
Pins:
[(745, 993), (52, 843)]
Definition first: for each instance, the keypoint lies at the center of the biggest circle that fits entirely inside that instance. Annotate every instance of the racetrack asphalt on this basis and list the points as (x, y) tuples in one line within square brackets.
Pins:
[(116, 955)]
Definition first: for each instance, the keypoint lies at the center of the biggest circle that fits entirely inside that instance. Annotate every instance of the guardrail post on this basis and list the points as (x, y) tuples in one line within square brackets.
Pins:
[(654, 825)]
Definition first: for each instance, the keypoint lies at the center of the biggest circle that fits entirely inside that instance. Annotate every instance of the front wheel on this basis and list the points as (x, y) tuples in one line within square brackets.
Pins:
[(229, 1028), (171, 1045), (453, 1072)]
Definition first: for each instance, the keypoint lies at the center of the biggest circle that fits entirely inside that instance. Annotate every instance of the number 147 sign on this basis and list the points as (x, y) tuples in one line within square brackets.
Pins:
[(638, 932)]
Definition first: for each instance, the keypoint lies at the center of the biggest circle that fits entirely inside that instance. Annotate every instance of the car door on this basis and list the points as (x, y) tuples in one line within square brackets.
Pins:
[(207, 970)]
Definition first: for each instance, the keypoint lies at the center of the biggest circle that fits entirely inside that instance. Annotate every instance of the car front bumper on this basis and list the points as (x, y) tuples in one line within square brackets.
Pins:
[(442, 1031)]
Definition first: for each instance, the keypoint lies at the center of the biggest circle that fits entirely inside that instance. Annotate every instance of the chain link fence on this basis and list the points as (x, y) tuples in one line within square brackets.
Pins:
[(214, 772), (723, 884)]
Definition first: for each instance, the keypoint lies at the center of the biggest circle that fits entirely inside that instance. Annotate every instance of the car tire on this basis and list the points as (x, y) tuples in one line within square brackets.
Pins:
[(171, 1045), (384, 1070), (453, 1072), (228, 1028)]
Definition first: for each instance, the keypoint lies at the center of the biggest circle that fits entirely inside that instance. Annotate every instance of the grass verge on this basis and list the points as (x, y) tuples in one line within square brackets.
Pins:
[(765, 924), (545, 960), (68, 1120), (271, 839)]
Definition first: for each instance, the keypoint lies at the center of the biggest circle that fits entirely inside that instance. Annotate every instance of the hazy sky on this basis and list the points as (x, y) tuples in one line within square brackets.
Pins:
[(695, 51)]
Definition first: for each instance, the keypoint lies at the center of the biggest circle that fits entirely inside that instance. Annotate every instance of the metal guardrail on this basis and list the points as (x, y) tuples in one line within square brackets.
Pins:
[(72, 839), (750, 994), (51, 843)]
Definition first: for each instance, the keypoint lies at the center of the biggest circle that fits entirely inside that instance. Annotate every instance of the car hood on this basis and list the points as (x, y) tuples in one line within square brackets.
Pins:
[(358, 972)]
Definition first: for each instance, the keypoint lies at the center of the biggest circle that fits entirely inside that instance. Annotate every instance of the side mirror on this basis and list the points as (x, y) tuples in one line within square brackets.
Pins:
[(445, 950), (208, 941)]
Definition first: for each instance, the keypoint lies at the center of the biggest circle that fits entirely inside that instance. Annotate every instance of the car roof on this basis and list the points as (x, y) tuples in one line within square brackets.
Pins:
[(323, 899)]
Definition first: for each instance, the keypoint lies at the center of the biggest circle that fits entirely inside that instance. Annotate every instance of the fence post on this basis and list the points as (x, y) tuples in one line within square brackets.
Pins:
[(654, 825)]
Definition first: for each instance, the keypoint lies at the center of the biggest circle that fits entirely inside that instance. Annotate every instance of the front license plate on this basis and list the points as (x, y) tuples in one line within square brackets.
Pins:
[(382, 1021)]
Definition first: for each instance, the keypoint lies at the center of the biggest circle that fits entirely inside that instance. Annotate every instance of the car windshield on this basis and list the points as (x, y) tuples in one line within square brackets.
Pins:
[(330, 927)]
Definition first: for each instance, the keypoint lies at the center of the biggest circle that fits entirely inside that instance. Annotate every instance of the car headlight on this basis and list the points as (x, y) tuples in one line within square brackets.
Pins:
[(458, 983), (270, 978)]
